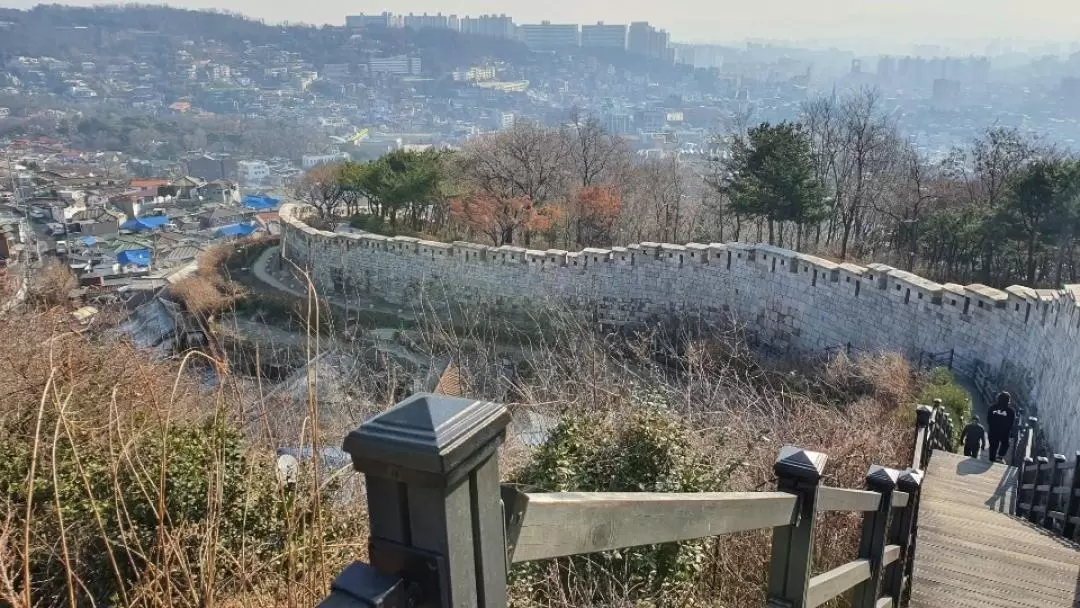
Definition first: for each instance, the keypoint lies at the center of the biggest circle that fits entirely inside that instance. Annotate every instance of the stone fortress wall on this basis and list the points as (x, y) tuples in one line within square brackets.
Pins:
[(792, 300)]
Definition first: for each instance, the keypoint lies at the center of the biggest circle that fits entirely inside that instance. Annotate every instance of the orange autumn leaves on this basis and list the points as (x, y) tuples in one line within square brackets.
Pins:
[(587, 219)]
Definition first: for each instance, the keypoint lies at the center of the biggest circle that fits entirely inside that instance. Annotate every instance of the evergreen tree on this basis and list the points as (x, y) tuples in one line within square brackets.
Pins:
[(770, 176)]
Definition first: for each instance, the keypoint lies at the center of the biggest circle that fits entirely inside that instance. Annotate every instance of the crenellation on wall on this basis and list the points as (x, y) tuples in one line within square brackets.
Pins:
[(794, 300)]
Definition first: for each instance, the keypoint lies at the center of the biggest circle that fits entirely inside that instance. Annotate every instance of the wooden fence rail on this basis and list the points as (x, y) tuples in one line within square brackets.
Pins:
[(444, 531)]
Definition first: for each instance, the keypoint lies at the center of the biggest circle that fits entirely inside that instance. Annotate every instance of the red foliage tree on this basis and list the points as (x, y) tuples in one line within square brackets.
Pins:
[(593, 213), (497, 217)]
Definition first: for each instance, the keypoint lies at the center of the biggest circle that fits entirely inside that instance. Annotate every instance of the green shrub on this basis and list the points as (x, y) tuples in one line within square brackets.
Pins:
[(646, 450), (954, 398)]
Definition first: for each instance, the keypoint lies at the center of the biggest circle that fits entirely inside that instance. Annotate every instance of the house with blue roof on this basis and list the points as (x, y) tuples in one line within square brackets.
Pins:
[(148, 223), (236, 231), (133, 257)]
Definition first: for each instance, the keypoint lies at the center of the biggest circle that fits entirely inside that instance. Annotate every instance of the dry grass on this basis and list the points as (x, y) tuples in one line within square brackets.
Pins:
[(207, 291), (126, 484), (740, 410), (93, 427)]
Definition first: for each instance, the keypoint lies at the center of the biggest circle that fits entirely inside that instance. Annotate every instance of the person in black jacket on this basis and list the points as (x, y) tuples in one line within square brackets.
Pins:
[(1000, 419), (974, 438)]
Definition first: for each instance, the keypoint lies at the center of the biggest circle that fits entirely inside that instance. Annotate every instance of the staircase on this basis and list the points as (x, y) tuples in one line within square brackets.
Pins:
[(972, 554)]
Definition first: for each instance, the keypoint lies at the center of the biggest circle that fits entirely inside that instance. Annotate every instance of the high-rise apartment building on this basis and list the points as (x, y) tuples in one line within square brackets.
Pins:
[(547, 36), (492, 26), (637, 40), (603, 36), (363, 21), (430, 22), (644, 39)]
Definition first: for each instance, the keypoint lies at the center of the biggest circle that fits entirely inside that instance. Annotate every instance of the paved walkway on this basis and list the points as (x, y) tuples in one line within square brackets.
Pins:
[(971, 554)]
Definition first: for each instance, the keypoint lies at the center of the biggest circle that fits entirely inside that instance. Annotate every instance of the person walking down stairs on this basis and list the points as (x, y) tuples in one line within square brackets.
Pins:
[(1001, 418), (974, 438)]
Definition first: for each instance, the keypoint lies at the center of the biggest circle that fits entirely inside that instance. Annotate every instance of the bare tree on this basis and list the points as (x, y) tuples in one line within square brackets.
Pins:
[(856, 146), (321, 188), (663, 192), (527, 161), (593, 154)]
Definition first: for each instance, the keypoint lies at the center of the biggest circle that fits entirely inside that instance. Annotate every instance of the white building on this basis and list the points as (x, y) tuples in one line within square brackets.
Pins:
[(253, 171), (314, 160), (506, 120), (401, 65)]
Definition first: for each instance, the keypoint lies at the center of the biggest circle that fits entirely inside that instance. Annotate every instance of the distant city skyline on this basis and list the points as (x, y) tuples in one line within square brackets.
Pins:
[(865, 26)]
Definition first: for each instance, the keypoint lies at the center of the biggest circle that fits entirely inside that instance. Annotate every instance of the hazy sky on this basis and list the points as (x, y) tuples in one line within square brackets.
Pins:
[(887, 22)]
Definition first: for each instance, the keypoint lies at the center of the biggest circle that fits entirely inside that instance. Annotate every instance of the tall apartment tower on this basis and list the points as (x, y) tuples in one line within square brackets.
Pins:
[(603, 36)]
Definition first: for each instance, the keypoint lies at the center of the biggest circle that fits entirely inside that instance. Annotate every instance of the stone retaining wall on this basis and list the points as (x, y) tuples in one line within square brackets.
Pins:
[(793, 300)]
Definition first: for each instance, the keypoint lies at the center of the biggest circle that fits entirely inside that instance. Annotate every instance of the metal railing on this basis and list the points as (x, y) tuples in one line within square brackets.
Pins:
[(444, 532)]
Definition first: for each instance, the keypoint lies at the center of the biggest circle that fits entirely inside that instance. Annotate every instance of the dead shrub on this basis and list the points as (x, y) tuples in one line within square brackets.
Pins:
[(53, 284)]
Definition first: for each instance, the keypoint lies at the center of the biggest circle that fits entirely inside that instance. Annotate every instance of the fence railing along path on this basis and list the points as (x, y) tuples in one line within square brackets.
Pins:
[(444, 532)]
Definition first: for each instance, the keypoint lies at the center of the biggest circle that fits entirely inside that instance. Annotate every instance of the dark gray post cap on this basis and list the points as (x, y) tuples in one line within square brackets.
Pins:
[(1059, 457), (801, 464), (1033, 420), (910, 480), (882, 479), (361, 585), (427, 434), (1042, 460), (923, 414)]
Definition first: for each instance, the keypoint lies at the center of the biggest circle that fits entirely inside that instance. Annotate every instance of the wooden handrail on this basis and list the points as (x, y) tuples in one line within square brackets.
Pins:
[(560, 524), (831, 584), (444, 532), (841, 499)]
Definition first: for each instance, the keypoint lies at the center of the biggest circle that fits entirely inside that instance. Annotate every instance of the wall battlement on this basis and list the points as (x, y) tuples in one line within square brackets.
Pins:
[(793, 300)]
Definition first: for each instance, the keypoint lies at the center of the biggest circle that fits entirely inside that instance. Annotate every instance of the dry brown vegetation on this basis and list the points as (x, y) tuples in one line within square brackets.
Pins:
[(126, 484), (53, 284), (207, 291)]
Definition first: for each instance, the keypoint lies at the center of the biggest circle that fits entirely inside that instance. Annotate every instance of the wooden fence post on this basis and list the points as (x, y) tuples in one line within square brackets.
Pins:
[(874, 535), (1054, 481), (1072, 501), (1037, 505), (798, 472), (432, 476), (1025, 488), (903, 534), (924, 415)]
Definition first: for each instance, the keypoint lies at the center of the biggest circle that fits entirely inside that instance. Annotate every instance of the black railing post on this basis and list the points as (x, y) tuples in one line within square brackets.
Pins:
[(874, 535), (904, 533), (1025, 488), (798, 472), (432, 475), (1072, 501), (1055, 480), (1037, 505), (923, 417)]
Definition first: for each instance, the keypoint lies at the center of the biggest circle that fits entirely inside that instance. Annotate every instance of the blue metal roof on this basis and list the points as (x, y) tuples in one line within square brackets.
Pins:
[(139, 257), (260, 202), (145, 224), (235, 230)]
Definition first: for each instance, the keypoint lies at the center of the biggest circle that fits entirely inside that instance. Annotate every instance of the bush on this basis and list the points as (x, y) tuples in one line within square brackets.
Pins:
[(645, 449), (956, 400)]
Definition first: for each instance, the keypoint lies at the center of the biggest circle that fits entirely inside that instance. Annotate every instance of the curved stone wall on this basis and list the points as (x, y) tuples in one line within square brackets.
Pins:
[(1025, 336)]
